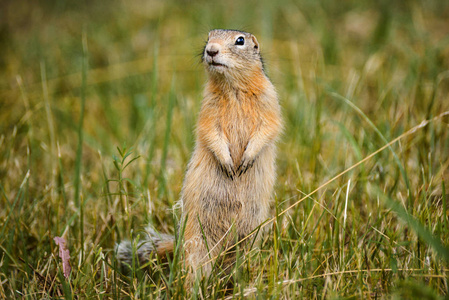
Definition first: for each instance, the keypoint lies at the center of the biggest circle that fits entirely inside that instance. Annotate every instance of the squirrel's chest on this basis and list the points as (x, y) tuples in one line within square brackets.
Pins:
[(238, 122), (238, 118)]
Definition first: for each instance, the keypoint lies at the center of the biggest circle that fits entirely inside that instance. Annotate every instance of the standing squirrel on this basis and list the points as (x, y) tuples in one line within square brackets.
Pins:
[(228, 185)]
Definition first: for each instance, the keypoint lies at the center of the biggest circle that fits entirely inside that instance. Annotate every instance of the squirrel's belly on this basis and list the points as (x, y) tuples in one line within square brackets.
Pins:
[(219, 202)]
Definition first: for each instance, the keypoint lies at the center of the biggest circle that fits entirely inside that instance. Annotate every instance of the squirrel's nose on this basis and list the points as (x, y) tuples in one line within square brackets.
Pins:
[(212, 49), (212, 52)]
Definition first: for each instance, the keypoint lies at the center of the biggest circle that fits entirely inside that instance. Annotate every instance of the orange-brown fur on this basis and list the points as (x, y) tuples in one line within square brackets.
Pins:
[(229, 181)]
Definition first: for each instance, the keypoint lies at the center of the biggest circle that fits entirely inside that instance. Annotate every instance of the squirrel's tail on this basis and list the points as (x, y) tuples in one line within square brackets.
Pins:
[(154, 242)]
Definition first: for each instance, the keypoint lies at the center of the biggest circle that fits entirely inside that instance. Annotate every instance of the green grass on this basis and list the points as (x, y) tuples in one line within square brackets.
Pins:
[(98, 109)]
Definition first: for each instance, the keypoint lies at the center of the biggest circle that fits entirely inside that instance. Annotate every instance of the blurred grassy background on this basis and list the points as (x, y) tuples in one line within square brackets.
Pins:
[(136, 67)]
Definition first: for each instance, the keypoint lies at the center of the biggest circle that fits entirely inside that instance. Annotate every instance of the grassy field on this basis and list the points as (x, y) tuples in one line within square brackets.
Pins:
[(362, 191)]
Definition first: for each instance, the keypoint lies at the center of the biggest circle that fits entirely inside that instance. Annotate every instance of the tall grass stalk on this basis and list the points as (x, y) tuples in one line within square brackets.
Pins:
[(151, 118), (168, 124), (79, 227)]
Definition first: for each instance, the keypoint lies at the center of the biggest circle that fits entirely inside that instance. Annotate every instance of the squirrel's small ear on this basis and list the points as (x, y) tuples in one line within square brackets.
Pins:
[(256, 43)]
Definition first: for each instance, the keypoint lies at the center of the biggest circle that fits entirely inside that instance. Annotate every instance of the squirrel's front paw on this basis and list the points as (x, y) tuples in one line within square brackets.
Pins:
[(245, 164), (228, 169)]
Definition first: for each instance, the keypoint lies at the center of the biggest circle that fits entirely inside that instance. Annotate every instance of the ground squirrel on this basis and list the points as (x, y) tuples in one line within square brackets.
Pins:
[(229, 181)]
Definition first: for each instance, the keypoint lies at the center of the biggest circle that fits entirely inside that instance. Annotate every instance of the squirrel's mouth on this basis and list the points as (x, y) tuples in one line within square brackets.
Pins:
[(216, 64)]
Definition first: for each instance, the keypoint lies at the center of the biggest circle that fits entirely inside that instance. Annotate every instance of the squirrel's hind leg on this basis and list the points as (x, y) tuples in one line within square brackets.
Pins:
[(198, 260)]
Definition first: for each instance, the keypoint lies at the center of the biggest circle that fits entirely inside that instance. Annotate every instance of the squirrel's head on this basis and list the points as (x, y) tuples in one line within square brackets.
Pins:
[(232, 53)]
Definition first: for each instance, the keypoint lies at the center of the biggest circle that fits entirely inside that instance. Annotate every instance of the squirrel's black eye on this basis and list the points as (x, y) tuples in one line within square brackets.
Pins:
[(240, 41)]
